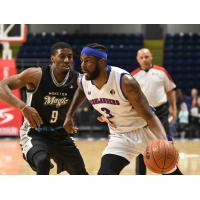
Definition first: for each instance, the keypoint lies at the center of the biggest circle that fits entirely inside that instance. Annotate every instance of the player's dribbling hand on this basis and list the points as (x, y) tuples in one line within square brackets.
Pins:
[(69, 125), (32, 116)]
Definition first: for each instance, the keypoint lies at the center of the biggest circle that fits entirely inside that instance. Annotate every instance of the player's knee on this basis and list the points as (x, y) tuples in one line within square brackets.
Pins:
[(42, 163)]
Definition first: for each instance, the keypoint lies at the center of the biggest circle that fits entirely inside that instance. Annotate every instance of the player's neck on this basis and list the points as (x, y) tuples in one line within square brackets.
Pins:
[(58, 75), (102, 79)]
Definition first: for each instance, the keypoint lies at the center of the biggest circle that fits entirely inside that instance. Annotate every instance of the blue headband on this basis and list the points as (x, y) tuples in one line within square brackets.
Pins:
[(94, 52)]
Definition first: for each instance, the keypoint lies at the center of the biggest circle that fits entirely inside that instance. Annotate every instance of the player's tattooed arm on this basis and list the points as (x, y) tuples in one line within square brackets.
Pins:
[(137, 99)]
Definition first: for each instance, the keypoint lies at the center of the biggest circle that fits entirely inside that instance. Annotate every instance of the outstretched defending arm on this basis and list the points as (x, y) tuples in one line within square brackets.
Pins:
[(78, 99), (139, 102)]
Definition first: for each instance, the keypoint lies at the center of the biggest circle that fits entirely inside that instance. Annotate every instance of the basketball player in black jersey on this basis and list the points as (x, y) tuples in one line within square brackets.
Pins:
[(50, 91)]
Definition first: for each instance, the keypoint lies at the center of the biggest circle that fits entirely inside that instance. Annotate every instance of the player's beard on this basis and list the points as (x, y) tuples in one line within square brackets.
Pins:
[(94, 75)]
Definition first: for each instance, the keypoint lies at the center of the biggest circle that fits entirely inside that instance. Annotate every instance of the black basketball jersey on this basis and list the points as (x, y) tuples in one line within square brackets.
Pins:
[(52, 99)]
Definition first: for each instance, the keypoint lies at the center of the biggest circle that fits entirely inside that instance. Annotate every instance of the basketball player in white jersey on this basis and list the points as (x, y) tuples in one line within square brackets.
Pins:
[(116, 95)]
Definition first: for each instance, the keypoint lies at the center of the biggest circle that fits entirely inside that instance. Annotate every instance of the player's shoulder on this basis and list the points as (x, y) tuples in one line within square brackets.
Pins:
[(73, 75), (36, 71), (123, 75), (33, 69), (118, 70), (74, 72), (79, 79), (31, 77)]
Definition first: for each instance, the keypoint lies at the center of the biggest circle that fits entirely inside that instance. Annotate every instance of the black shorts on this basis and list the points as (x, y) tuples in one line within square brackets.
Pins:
[(59, 146)]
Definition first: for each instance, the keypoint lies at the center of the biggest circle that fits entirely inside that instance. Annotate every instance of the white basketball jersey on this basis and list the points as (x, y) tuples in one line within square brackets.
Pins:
[(111, 102)]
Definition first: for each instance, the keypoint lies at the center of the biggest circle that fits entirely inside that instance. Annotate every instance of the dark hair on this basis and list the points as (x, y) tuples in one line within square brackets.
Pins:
[(59, 45), (97, 46)]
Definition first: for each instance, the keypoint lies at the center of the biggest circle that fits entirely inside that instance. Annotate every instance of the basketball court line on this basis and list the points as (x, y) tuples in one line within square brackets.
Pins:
[(183, 155)]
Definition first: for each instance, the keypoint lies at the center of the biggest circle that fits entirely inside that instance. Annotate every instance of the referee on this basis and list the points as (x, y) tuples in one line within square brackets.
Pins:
[(159, 88)]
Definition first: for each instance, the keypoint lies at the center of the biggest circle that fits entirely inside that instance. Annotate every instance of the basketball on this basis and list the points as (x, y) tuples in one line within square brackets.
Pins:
[(160, 156)]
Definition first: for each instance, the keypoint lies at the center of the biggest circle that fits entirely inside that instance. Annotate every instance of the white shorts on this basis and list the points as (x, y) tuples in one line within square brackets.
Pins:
[(131, 144)]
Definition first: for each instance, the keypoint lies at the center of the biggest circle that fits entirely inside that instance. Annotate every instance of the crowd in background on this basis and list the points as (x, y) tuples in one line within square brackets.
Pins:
[(188, 116)]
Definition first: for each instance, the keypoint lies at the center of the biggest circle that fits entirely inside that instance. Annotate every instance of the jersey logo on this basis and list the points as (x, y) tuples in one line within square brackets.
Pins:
[(104, 101), (55, 101), (71, 87), (5, 117)]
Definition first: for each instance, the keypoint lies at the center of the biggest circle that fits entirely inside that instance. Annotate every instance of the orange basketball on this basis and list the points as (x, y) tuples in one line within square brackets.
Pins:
[(160, 156)]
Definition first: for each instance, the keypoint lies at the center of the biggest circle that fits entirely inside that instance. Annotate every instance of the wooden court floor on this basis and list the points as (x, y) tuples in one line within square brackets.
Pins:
[(12, 163)]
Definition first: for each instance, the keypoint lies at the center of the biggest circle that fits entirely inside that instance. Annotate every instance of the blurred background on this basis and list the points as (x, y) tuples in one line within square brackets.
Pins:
[(174, 46)]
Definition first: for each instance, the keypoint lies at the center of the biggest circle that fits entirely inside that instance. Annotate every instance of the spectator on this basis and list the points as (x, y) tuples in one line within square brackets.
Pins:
[(194, 94), (195, 119), (180, 98), (192, 100), (183, 120)]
